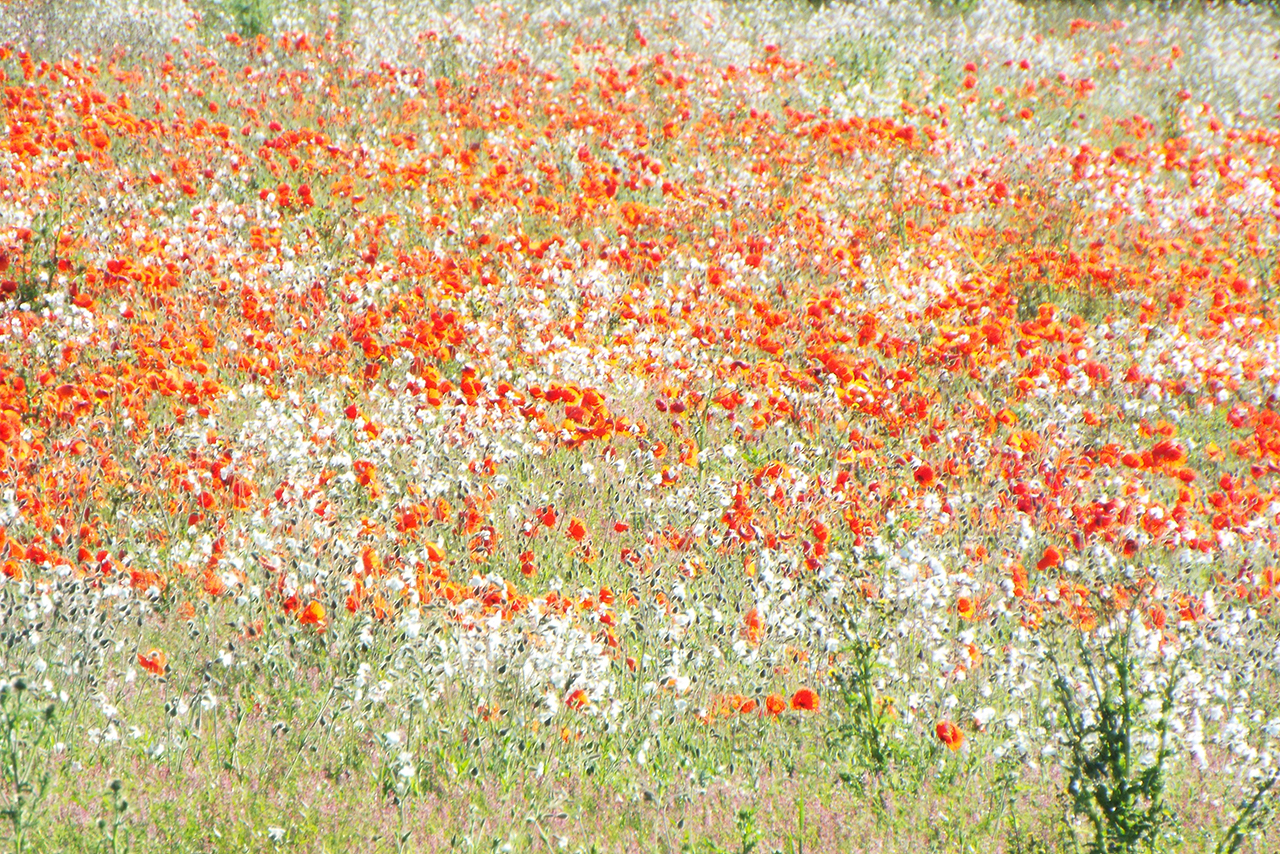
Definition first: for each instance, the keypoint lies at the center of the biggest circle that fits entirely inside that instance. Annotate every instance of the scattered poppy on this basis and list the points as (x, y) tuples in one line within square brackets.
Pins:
[(805, 699), (313, 615), (1051, 558), (950, 735), (154, 661)]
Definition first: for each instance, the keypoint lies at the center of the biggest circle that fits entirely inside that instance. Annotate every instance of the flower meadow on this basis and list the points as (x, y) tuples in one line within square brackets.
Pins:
[(686, 426)]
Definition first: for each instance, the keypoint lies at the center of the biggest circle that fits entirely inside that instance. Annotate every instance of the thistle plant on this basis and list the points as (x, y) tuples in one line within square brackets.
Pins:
[(25, 727), (1116, 755), (113, 839), (1252, 813), (862, 730)]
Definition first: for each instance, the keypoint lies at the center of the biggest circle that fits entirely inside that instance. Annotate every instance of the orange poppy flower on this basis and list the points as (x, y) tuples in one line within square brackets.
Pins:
[(1156, 617), (774, 705), (313, 615), (577, 529), (154, 661), (1020, 581)]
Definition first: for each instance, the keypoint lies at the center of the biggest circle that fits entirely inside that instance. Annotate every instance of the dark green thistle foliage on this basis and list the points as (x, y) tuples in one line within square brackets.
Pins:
[(26, 727)]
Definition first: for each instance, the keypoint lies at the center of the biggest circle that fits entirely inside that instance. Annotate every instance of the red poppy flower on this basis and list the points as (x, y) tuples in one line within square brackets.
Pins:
[(950, 735), (806, 699), (1052, 557)]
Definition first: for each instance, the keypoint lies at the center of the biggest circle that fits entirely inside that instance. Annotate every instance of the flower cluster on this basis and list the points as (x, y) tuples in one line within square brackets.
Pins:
[(606, 370)]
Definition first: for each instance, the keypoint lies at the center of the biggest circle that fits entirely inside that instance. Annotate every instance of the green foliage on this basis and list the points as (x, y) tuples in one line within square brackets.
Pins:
[(1021, 842), (113, 840), (1251, 814), (744, 822), (862, 731), (954, 7), (25, 728), (862, 59), (248, 18), (252, 18), (944, 7), (1120, 794), (38, 264)]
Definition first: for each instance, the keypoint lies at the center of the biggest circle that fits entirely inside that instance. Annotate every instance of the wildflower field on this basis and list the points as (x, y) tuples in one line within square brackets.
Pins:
[(673, 426)]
